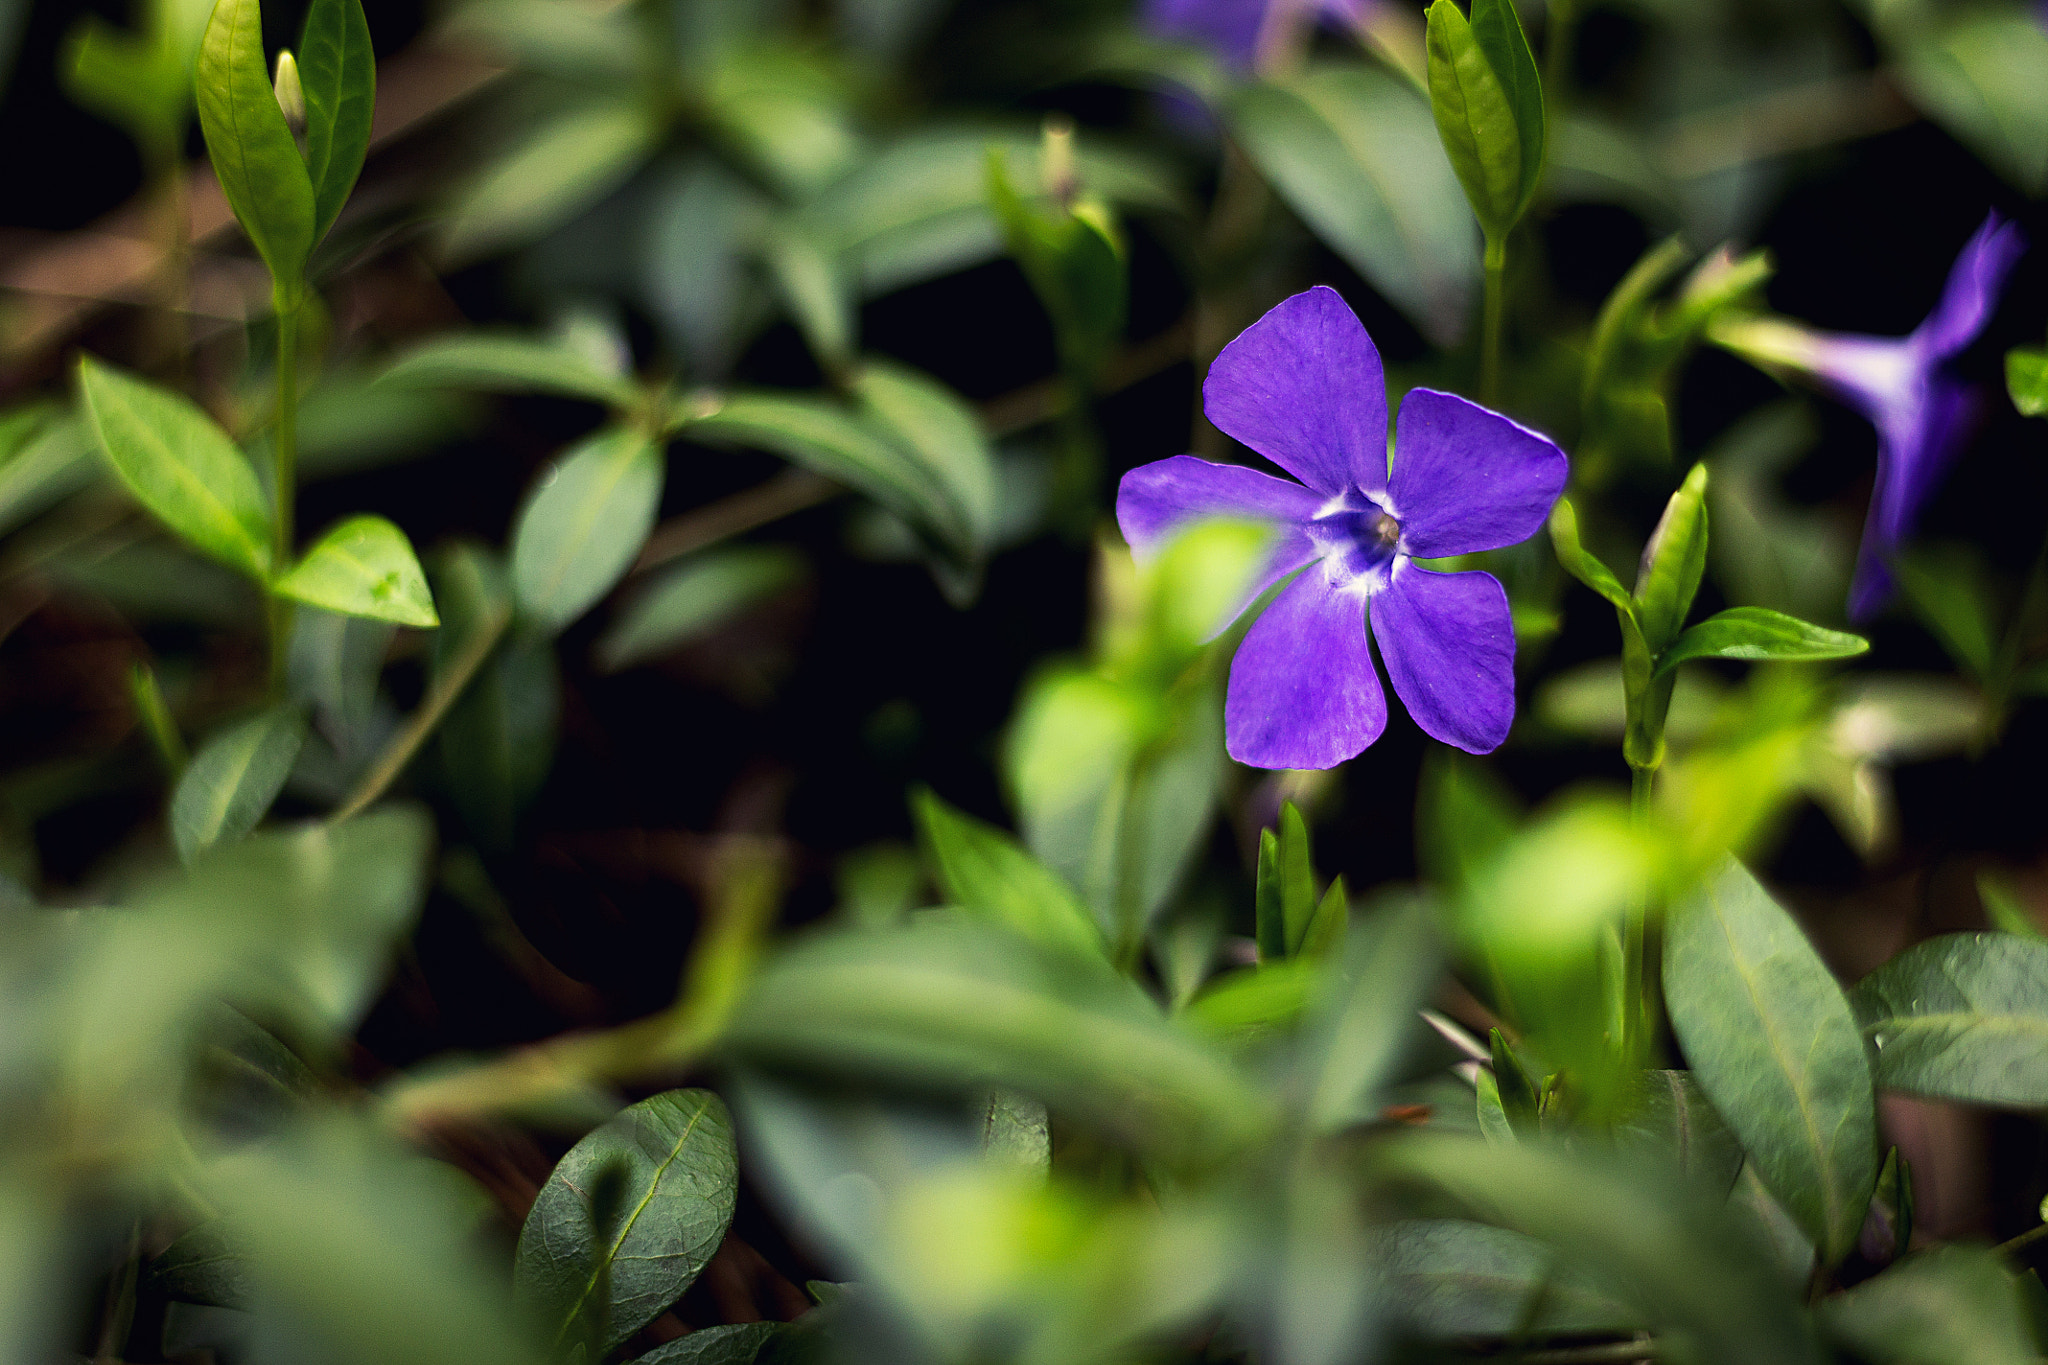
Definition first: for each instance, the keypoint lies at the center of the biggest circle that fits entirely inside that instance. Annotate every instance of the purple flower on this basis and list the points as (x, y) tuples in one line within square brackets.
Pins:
[(1303, 387), (1906, 386), (1239, 31)]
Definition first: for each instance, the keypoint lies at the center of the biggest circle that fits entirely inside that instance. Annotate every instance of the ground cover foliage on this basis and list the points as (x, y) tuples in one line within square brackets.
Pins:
[(630, 733)]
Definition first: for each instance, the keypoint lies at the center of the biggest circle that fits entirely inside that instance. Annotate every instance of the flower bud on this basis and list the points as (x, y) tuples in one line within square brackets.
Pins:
[(291, 96)]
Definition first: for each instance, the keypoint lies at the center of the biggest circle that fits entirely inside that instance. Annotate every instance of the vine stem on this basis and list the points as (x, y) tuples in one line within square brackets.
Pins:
[(1494, 320), (285, 476)]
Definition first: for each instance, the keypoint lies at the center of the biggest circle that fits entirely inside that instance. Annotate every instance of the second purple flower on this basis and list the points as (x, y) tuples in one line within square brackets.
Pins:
[(1304, 387)]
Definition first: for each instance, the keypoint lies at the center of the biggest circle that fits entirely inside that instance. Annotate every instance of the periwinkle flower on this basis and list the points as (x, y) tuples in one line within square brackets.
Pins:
[(1906, 386), (1303, 387), (1240, 31)]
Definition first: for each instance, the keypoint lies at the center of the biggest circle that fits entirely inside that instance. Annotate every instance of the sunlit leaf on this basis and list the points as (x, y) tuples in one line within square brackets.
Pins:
[(983, 869), (1962, 1017), (1760, 633), (363, 567), (2026, 379), (234, 777), (252, 148)]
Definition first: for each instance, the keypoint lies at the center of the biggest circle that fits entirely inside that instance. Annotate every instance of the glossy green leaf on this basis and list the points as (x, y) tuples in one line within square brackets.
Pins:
[(338, 71), (1948, 1305), (696, 597), (1581, 563), (508, 363), (673, 1174), (363, 567), (560, 168), (1666, 1113), (1774, 1045), (1456, 1279), (983, 869), (1961, 1017), (498, 740), (1354, 152), (178, 463), (253, 153), (1497, 29), (1673, 563), (734, 1344), (1760, 633), (234, 777), (583, 525), (1488, 103), (2026, 379)]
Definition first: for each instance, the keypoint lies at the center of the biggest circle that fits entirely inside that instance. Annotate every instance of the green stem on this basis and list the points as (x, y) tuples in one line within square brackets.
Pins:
[(1635, 940), (1494, 321), (284, 474), (2024, 1240), (1559, 21)]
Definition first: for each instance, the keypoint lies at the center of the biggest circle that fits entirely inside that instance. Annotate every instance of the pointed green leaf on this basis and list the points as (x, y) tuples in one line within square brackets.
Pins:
[(676, 1176), (1497, 29), (338, 71), (1775, 1046), (508, 363), (1268, 907), (45, 455), (737, 1343), (1759, 633), (498, 740), (1475, 119), (2026, 379), (1667, 1114), (935, 424), (1514, 1087), (363, 567), (559, 168), (1493, 1114), (1297, 876), (696, 597), (584, 524), (1673, 562), (233, 778), (1962, 1017), (1580, 562), (179, 464), (257, 162), (1333, 916), (1948, 1305), (985, 870)]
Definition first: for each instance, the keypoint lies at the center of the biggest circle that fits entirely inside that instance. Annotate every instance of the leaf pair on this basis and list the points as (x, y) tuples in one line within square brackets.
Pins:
[(287, 200), (1291, 921), (1488, 101)]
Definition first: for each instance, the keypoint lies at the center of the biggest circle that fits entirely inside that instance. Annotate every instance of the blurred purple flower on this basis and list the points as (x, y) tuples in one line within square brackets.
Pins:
[(1907, 388), (1239, 31), (1303, 387)]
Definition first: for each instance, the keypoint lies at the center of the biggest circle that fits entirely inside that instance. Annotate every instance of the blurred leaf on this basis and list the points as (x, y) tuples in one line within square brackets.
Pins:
[(498, 740), (1581, 563), (783, 109), (1948, 586), (1984, 77), (2026, 379), (818, 295), (1354, 152), (1963, 1017), (583, 525), (1759, 633), (1673, 561), (1017, 1130), (363, 567), (338, 70), (508, 363), (1452, 1279), (1488, 104), (1949, 1305), (203, 1267), (1773, 1043), (44, 456), (559, 169), (696, 597), (159, 580), (1667, 1113), (983, 869), (177, 462), (703, 226), (334, 667), (2003, 908), (234, 777), (677, 1177), (736, 1344), (1515, 1088), (1366, 1016), (252, 149), (1252, 1001), (934, 423), (1466, 817), (131, 79)]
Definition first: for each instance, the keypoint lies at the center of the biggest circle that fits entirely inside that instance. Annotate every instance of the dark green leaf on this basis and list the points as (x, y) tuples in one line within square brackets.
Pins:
[(735, 1344), (178, 463), (1949, 1305), (508, 363), (232, 780), (677, 1177), (1891, 1206), (338, 71), (1579, 562), (983, 869), (1759, 633), (1454, 1279), (201, 1267), (695, 598), (1477, 112), (1963, 1017), (253, 153), (1666, 1113), (1515, 1087), (584, 524), (1326, 931), (1673, 562), (363, 567), (1950, 587), (1497, 29), (1774, 1044), (2026, 379), (498, 741)]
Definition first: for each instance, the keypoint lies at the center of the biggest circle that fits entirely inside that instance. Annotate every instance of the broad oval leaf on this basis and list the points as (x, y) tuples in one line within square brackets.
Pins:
[(696, 597), (338, 71), (1760, 633), (1667, 1114), (363, 567), (253, 153), (560, 169), (734, 1344), (937, 425), (584, 524), (1453, 1278), (1673, 562), (1477, 113), (669, 1170), (233, 778), (1775, 1046), (508, 363), (983, 869), (1948, 1305), (179, 464), (1961, 1017)]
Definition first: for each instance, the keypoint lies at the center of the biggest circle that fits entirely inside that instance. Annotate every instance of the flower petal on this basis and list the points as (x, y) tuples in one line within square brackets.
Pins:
[(1466, 479), (1303, 693), (1155, 500), (1917, 443), (1449, 646), (1303, 387), (1229, 28), (1974, 283)]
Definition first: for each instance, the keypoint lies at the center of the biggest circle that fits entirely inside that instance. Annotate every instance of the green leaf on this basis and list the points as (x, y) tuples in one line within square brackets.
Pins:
[(1962, 1017), (1354, 152), (2026, 379), (232, 780), (1667, 1113), (1579, 562), (1454, 1279), (735, 1344), (696, 597), (1774, 1044), (583, 525), (1326, 932), (508, 363), (934, 423), (1948, 1305), (1493, 1114), (560, 168), (1950, 587), (1984, 76), (253, 153), (1673, 562), (44, 456), (498, 740), (338, 71), (363, 567), (983, 869), (1759, 633), (202, 1267), (1489, 120), (1362, 1023), (1497, 29), (1252, 1001), (178, 463), (2003, 908), (1515, 1088), (817, 293), (130, 80), (673, 1174)]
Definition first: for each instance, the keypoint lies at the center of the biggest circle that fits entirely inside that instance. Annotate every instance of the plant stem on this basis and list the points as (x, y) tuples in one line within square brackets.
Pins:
[(2024, 1240), (1606, 1351), (1635, 1040), (284, 474), (1559, 21), (1494, 320)]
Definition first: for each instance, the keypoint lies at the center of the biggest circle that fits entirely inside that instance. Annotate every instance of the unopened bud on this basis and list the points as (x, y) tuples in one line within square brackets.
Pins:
[(291, 96), (1057, 166)]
